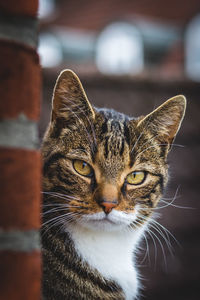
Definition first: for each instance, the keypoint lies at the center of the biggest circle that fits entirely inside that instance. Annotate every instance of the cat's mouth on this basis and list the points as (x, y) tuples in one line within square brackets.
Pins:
[(105, 220), (115, 220)]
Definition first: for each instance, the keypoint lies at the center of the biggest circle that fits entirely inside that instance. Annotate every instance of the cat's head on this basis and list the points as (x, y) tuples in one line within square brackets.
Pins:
[(103, 169)]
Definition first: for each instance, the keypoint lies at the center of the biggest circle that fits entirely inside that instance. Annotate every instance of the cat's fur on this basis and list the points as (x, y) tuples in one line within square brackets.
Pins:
[(89, 254)]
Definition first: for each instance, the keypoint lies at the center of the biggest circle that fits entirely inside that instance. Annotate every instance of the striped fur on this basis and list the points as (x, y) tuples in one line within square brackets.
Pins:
[(77, 280), (77, 235)]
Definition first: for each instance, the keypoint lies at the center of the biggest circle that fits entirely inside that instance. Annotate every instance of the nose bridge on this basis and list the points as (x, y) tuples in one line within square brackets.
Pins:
[(108, 197), (109, 192)]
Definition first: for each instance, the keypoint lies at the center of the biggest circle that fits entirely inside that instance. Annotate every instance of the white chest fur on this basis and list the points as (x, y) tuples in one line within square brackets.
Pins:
[(111, 253)]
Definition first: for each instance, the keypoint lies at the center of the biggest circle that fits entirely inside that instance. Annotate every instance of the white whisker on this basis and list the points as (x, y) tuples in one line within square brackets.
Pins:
[(58, 209), (65, 196)]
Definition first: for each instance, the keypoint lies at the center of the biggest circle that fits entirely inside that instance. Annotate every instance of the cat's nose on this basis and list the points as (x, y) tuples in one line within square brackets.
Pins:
[(108, 206)]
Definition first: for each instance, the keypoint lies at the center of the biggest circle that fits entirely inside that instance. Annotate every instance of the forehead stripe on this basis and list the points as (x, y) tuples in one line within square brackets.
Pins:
[(122, 147), (106, 146)]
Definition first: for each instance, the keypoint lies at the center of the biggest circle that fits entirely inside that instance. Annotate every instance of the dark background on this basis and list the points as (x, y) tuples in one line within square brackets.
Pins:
[(178, 277)]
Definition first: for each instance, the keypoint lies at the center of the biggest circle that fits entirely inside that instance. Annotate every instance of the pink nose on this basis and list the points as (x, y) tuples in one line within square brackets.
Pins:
[(108, 206)]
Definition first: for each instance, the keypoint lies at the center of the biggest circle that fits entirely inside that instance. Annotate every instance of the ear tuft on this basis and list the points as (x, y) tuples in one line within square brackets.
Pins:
[(69, 96), (165, 121)]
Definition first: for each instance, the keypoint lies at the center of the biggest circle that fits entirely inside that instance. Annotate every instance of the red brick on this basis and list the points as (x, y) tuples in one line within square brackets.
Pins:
[(20, 275), (20, 186), (19, 7), (19, 81)]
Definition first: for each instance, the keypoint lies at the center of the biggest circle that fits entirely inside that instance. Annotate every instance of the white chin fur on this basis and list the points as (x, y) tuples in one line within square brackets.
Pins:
[(114, 221), (107, 245)]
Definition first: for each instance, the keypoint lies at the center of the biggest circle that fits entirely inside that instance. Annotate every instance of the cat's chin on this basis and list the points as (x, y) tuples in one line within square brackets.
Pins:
[(114, 221)]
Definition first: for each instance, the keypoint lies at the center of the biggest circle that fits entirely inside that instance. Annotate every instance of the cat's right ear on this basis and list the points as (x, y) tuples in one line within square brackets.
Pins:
[(69, 98), (165, 121)]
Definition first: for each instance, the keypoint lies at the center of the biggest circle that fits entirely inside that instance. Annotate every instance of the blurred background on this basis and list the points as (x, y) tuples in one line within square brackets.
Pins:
[(132, 56)]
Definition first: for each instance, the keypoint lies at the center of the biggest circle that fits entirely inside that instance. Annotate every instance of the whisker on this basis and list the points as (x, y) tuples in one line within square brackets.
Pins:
[(161, 245), (146, 241), (174, 205), (165, 238), (147, 250), (60, 194), (148, 142), (153, 146), (171, 203), (68, 214), (166, 231), (58, 209), (155, 247), (59, 220), (55, 204)]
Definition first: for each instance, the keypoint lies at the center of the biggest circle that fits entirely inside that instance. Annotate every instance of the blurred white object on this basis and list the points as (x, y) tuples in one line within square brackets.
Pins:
[(192, 49), (119, 49), (50, 50), (46, 8)]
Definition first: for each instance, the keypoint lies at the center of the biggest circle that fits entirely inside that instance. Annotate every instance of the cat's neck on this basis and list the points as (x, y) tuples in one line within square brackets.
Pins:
[(111, 253)]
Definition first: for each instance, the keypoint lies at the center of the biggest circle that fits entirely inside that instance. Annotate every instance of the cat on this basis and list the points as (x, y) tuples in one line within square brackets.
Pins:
[(104, 174)]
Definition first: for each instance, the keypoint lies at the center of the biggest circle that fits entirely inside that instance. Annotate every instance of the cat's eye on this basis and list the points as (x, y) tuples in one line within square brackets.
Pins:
[(82, 168), (136, 177)]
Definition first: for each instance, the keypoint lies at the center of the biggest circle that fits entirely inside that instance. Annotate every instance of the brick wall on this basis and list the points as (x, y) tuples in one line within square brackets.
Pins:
[(20, 270)]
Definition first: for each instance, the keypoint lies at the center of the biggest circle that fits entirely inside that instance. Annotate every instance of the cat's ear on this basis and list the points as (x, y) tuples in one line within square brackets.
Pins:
[(69, 98), (164, 122)]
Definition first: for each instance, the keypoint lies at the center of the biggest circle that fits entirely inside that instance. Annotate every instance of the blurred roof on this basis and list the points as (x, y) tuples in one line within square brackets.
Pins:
[(94, 15)]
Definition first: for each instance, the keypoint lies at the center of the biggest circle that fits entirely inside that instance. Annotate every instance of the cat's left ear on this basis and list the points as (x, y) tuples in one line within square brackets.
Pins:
[(165, 121), (69, 98)]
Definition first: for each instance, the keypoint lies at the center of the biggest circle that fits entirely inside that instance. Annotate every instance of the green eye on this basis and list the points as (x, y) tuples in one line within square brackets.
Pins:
[(82, 168), (136, 177)]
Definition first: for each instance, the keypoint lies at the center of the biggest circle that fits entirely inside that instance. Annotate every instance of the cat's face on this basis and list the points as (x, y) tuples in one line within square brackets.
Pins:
[(102, 169)]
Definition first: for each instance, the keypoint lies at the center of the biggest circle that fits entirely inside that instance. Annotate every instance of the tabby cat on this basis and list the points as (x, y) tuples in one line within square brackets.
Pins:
[(104, 174)]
